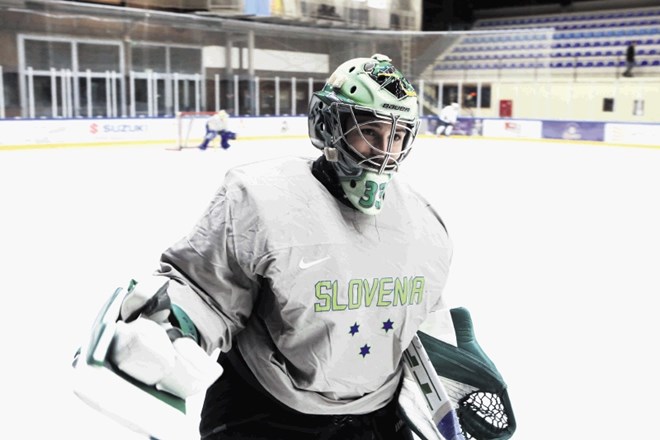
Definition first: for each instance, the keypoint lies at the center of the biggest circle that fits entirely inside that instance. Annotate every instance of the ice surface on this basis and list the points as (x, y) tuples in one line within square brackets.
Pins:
[(557, 255)]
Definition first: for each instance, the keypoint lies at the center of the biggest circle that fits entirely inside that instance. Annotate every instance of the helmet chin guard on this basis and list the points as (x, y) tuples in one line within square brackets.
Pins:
[(365, 96), (367, 191)]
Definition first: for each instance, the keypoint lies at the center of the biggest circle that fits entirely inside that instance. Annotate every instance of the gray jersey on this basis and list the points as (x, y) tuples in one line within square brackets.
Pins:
[(320, 299)]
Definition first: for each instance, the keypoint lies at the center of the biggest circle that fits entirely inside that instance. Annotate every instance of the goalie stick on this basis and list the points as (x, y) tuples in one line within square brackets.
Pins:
[(442, 411), (141, 408)]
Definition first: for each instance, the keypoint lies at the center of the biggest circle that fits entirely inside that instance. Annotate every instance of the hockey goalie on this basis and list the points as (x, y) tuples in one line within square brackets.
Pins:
[(218, 125), (322, 296)]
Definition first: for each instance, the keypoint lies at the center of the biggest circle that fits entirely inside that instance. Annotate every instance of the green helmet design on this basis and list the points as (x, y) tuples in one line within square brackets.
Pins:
[(361, 96)]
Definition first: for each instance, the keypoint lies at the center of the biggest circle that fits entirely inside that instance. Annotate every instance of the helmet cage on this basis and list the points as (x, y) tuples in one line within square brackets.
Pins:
[(340, 115)]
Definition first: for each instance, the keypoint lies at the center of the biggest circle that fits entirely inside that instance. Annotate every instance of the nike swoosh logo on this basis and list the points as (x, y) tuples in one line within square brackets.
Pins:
[(307, 264)]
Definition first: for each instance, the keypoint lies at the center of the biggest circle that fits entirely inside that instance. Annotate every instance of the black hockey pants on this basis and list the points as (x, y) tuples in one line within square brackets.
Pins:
[(236, 407)]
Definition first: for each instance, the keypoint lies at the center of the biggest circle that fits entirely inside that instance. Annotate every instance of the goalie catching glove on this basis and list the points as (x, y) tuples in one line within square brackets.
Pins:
[(472, 381), (156, 343)]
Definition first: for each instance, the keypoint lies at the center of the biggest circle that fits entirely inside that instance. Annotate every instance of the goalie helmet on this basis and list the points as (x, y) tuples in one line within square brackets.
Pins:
[(365, 96)]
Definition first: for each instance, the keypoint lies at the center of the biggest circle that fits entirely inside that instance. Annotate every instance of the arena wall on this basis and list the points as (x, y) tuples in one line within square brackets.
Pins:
[(164, 132)]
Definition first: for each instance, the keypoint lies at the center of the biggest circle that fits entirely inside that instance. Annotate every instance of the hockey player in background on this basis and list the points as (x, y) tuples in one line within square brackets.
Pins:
[(448, 118), (218, 125), (308, 281)]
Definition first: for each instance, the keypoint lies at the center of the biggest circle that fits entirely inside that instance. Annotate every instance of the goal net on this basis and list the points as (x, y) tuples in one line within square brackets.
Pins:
[(191, 129)]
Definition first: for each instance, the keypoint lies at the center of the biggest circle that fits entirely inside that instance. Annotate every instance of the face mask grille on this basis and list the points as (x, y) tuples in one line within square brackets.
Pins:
[(373, 141)]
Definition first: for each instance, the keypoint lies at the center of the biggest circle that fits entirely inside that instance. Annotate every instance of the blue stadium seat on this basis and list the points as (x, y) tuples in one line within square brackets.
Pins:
[(606, 31)]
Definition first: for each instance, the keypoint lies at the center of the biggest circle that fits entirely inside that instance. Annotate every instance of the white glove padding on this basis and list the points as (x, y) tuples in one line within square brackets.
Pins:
[(142, 349), (193, 370), (148, 348)]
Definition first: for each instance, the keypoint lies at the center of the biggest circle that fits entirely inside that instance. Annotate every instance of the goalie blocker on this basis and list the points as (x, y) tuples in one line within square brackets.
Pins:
[(138, 368), (143, 409)]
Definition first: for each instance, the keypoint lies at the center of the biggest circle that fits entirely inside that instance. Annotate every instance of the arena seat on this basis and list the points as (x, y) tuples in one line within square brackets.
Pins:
[(592, 30)]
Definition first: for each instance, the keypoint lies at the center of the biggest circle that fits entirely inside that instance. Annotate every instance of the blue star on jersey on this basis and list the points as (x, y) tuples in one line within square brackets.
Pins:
[(364, 350)]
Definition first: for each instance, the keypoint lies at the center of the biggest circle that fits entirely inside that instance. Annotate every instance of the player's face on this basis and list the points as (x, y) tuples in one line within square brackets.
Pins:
[(372, 137)]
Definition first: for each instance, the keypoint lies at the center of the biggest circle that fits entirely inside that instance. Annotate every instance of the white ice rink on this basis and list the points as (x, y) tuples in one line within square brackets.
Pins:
[(557, 255)]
